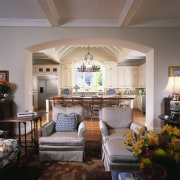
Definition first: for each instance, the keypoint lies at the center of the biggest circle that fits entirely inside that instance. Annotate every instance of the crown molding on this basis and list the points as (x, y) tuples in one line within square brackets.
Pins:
[(24, 22)]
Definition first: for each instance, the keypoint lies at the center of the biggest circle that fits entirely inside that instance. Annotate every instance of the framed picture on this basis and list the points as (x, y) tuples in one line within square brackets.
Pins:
[(174, 71), (4, 75)]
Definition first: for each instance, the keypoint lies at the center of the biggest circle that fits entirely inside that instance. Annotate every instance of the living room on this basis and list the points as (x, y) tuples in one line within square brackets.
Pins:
[(159, 41)]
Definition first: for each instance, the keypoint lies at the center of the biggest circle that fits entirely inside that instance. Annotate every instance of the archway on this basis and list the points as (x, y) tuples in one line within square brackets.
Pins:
[(107, 41)]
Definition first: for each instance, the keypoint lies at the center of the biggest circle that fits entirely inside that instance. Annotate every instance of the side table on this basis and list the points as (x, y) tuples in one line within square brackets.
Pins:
[(169, 121), (24, 119)]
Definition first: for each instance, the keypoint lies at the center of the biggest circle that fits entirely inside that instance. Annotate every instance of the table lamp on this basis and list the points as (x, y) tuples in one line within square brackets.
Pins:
[(173, 88)]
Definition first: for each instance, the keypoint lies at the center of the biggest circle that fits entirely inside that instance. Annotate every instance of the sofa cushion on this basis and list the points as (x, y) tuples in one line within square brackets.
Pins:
[(66, 122), (117, 152), (67, 110), (62, 139), (116, 117)]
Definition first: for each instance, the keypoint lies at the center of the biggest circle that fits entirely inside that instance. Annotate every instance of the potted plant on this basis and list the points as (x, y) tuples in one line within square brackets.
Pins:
[(159, 154), (5, 88)]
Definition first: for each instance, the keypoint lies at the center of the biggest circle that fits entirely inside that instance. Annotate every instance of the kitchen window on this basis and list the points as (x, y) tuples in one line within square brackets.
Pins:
[(88, 81)]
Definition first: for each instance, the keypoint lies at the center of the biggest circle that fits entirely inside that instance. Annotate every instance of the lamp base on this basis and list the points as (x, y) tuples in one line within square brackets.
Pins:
[(175, 109)]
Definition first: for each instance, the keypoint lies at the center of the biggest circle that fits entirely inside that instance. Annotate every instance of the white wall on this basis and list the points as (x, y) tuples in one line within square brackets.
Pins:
[(15, 40)]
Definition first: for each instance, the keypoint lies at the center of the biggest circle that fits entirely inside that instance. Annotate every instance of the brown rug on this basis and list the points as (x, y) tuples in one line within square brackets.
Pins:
[(30, 168)]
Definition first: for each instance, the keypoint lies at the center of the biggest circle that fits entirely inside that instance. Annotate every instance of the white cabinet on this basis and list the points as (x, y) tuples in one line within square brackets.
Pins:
[(142, 76), (127, 76), (66, 75), (110, 75), (139, 102), (46, 70)]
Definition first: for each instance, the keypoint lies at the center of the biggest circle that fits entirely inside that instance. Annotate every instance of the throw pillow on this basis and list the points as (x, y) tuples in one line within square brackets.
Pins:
[(66, 122)]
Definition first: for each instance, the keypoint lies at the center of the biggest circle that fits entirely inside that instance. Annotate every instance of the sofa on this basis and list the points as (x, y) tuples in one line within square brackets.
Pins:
[(114, 122), (62, 138)]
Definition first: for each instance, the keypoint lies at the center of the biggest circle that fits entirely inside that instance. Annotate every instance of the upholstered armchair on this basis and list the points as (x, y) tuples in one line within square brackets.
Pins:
[(114, 122), (62, 139)]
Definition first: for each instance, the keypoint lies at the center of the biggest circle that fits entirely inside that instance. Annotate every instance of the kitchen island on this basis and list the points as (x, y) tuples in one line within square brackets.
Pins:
[(88, 101)]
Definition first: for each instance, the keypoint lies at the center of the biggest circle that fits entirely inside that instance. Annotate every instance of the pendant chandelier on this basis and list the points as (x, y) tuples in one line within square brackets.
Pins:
[(88, 65)]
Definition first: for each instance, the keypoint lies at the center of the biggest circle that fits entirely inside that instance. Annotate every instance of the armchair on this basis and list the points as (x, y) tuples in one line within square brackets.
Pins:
[(63, 144), (114, 122)]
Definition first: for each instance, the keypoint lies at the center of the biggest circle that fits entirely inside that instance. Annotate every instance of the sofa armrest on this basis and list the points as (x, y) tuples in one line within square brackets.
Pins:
[(135, 126), (48, 128), (82, 129), (103, 128)]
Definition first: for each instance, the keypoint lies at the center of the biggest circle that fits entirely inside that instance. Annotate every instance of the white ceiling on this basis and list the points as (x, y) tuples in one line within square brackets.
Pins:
[(93, 13), (90, 13)]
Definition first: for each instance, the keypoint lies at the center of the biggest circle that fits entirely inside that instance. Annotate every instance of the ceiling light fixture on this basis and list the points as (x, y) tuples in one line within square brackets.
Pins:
[(88, 65)]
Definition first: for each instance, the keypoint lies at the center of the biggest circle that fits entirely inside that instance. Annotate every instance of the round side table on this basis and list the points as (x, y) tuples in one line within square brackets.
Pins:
[(169, 121)]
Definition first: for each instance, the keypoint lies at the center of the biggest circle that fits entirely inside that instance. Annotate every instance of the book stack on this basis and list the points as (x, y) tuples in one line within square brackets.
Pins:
[(26, 113)]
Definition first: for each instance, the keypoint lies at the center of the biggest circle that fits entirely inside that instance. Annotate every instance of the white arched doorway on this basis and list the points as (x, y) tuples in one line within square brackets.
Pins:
[(120, 43)]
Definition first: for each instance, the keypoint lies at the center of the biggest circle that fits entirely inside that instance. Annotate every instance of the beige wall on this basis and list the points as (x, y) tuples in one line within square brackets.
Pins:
[(165, 42)]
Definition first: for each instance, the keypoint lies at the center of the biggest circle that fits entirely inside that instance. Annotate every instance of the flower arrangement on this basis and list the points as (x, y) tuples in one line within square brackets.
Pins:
[(5, 87), (159, 154)]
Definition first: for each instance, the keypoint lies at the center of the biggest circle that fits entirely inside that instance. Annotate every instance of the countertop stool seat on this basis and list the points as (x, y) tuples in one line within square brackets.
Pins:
[(118, 158)]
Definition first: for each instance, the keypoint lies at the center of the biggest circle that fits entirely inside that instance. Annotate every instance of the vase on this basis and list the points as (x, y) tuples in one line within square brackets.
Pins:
[(3, 97)]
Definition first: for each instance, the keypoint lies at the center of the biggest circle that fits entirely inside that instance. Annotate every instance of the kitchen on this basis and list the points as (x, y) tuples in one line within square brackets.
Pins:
[(126, 77)]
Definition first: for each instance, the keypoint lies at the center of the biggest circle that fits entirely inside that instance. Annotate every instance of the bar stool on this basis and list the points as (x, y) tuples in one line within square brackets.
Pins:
[(105, 101), (96, 105), (86, 103), (114, 101), (58, 100), (76, 101)]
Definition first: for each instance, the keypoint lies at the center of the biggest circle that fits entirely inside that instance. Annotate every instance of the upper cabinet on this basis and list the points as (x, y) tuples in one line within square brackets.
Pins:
[(142, 76), (127, 76), (110, 75), (66, 75), (46, 70)]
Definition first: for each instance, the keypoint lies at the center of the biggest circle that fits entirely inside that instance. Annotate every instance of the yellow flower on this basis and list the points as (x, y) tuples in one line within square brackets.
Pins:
[(153, 138), (166, 128), (138, 147), (128, 142), (175, 131), (176, 144), (141, 130), (129, 134)]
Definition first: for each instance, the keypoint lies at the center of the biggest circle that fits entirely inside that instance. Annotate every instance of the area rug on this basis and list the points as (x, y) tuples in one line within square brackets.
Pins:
[(29, 167)]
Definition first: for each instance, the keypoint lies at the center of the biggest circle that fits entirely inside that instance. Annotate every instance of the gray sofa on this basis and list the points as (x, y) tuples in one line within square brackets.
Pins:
[(114, 122), (63, 145)]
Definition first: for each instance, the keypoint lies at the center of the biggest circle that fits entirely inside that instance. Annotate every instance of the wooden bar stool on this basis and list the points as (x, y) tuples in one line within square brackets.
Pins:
[(96, 105)]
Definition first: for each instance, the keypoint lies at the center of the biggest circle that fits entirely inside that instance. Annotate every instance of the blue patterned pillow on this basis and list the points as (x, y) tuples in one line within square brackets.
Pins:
[(66, 122)]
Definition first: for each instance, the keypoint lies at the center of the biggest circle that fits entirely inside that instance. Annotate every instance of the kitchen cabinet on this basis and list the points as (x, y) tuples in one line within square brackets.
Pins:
[(139, 102), (66, 76), (110, 75), (142, 76), (127, 76), (45, 69)]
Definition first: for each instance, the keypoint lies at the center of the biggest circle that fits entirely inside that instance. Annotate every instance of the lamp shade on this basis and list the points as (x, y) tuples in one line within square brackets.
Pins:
[(173, 85), (170, 85), (176, 89)]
